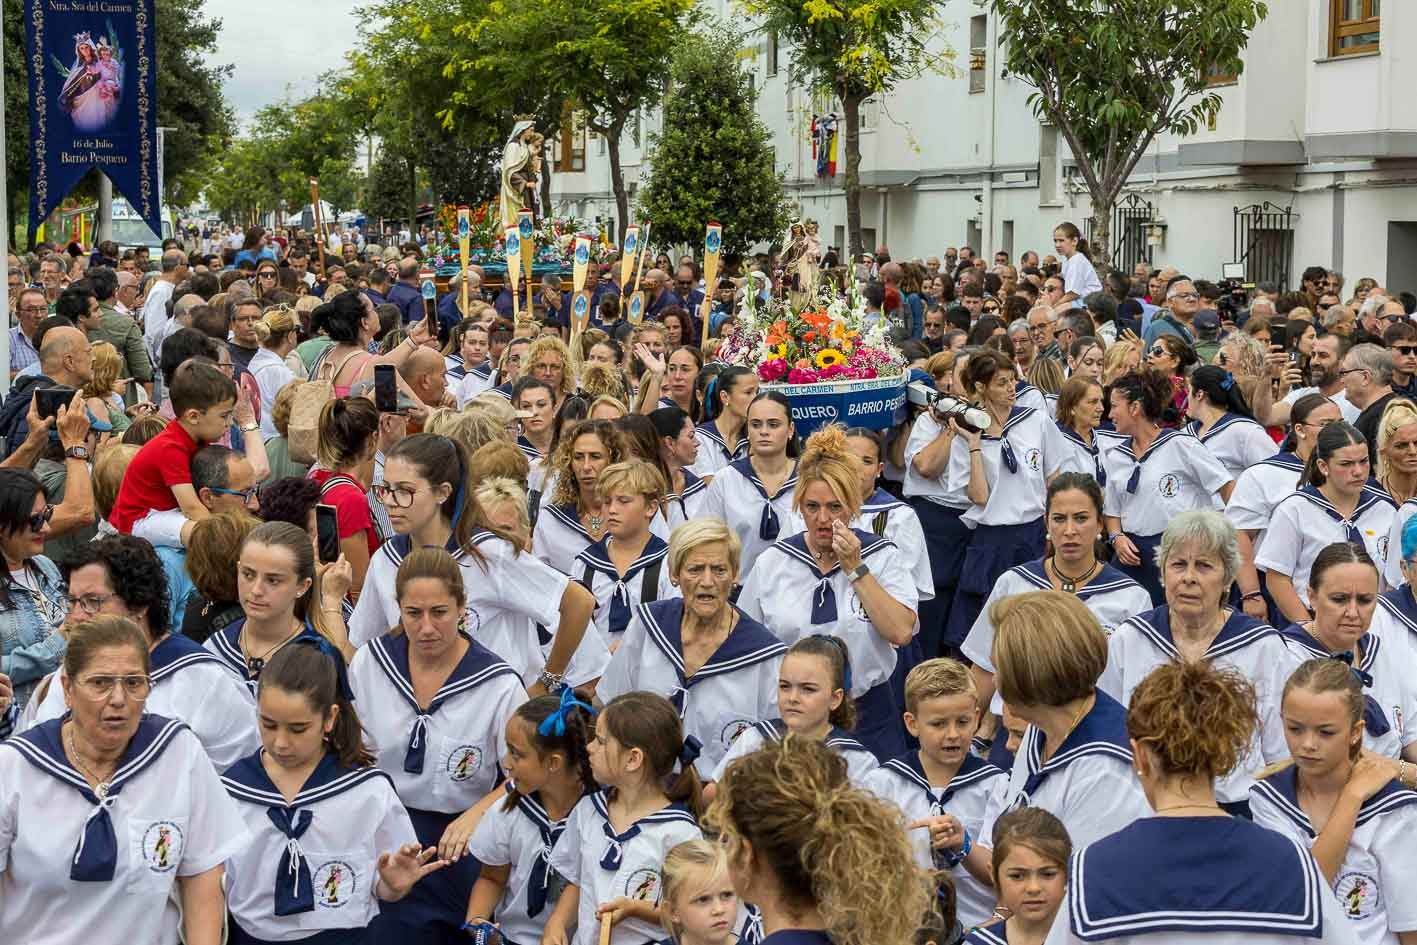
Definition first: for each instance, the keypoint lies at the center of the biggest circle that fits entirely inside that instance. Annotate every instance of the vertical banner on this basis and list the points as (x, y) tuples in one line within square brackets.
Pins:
[(582, 260), (627, 262), (526, 231), (644, 251), (93, 101), (514, 268), (319, 228), (713, 243), (464, 249)]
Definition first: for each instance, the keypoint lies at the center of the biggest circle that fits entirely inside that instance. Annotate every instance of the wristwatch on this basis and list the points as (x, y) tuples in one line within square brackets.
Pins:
[(250, 427), (553, 682), (77, 452), (858, 572)]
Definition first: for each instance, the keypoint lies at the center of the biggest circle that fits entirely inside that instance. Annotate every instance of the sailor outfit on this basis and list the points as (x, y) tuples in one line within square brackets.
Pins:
[(734, 688), (789, 595), (995, 933), (885, 515), (941, 510), (521, 838), (1026, 395), (1083, 458), (617, 595), (1176, 474), (443, 758), (714, 452), (1259, 489), (476, 381), (682, 506), (1306, 522), (1183, 880), (1378, 864), (903, 782), (606, 865), (559, 537), (1395, 621), (1091, 798), (311, 870), (1008, 529), (510, 596), (1239, 442), (189, 684), (861, 762), (225, 644), (738, 497), (1254, 650), (1392, 567), (1390, 695), (76, 868)]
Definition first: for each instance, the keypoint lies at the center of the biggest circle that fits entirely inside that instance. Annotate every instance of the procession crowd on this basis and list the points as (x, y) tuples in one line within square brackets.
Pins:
[(338, 614)]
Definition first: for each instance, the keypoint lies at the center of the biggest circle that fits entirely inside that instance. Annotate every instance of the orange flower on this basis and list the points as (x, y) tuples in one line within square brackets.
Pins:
[(809, 336)]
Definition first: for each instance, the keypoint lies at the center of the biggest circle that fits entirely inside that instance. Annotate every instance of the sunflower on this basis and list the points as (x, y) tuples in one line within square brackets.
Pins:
[(829, 356)]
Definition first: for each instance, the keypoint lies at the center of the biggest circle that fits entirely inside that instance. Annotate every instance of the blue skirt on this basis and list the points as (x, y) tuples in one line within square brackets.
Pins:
[(1147, 574), (993, 550), (946, 541), (879, 723), (434, 910), (236, 935)]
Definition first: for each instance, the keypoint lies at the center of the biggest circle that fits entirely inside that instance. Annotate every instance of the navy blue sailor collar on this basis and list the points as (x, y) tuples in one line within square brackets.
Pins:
[(1282, 790), (745, 469), (569, 517), (1162, 438), (693, 484), (1238, 632), (477, 666), (880, 501), (1109, 579), (175, 653), (248, 781), (797, 937), (1016, 416), (1401, 604), (1284, 460), (837, 739), (227, 645), (748, 644), (483, 371), (971, 771), (796, 547), (399, 547), (1227, 419), (1102, 731), (1370, 497), (1072, 436), (710, 430), (1367, 646), (597, 558), (528, 449)]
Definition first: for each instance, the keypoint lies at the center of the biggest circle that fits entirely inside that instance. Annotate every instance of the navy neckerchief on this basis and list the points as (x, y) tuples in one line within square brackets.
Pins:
[(1103, 731), (1226, 420), (752, 930), (1281, 789), (748, 644), (1402, 606), (1094, 449), (96, 852), (693, 485), (1106, 581), (1368, 499), (528, 449), (615, 842), (596, 558), (1239, 631), (824, 596), (1243, 878), (1162, 438), (537, 884), (1006, 451), (971, 771), (476, 667), (1374, 719), (175, 653), (769, 526), (226, 643), (569, 517), (710, 430), (837, 739), (248, 781)]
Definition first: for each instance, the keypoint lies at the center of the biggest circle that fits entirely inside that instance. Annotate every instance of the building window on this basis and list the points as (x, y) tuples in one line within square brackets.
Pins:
[(870, 114), (978, 51), (570, 143), (772, 54), (1353, 26)]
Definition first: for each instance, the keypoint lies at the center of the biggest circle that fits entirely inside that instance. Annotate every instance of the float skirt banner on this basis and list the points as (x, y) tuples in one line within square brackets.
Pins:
[(873, 404), (93, 101)]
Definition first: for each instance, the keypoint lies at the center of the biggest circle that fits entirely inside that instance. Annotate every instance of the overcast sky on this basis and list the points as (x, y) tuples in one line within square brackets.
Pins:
[(279, 47)]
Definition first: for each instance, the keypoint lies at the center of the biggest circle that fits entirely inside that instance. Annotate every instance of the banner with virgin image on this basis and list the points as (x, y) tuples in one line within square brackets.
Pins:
[(93, 101)]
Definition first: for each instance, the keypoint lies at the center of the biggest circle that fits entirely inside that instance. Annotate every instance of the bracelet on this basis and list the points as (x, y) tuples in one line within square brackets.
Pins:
[(975, 449), (1252, 595), (411, 343), (1405, 768), (1112, 538)]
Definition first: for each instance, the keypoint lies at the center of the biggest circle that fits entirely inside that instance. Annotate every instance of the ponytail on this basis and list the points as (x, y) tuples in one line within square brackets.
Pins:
[(650, 723), (833, 650), (1220, 389), (562, 726)]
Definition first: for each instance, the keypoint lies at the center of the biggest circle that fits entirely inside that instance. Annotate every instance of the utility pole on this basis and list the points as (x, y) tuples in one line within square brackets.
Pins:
[(103, 220), (5, 229)]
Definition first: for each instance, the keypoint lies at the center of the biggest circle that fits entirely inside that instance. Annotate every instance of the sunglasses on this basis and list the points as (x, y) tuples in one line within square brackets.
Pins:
[(1159, 351), (1407, 350), (41, 519)]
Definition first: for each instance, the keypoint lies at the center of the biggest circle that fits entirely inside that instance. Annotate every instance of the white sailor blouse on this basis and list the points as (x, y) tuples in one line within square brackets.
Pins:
[(616, 595), (1306, 522), (738, 497)]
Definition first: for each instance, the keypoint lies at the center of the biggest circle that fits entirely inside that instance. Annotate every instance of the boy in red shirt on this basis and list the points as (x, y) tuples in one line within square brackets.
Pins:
[(156, 501)]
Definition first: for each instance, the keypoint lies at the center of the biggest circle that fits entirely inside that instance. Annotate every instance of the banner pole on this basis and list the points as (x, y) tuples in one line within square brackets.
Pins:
[(9, 237)]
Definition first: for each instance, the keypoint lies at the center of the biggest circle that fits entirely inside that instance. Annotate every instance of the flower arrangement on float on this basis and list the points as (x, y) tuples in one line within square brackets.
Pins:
[(555, 239)]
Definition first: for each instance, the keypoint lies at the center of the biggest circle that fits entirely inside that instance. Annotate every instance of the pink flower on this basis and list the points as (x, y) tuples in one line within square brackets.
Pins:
[(802, 376), (772, 370), (834, 371)]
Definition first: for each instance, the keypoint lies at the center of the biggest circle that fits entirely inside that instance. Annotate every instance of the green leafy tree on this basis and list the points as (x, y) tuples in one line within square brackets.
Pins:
[(856, 49), (1112, 76), (714, 160)]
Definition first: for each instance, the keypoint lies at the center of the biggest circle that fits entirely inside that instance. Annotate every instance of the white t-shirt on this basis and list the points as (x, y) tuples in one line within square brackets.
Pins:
[(1079, 277)]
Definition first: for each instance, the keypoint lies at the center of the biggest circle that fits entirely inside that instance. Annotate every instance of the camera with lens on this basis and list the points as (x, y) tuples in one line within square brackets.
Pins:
[(1234, 299), (945, 407)]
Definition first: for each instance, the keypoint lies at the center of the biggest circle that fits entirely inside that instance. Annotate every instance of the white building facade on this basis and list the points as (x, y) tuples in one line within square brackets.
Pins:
[(1311, 161)]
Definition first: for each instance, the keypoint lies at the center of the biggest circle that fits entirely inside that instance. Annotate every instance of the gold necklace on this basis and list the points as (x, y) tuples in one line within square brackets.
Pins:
[(100, 785)]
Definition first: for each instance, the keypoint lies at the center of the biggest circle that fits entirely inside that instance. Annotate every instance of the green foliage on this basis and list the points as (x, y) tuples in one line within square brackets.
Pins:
[(714, 160), (1113, 75)]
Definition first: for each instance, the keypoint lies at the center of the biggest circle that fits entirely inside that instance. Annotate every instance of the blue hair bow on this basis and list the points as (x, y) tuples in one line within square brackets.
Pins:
[(691, 751), (1227, 382), (554, 725), (341, 671)]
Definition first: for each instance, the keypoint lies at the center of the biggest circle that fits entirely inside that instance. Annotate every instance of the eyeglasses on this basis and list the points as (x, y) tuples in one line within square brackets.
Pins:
[(246, 494), (101, 687), (267, 274), (41, 519), (1352, 370), (400, 497), (90, 604), (1159, 351), (1188, 296), (1407, 350), (35, 309)]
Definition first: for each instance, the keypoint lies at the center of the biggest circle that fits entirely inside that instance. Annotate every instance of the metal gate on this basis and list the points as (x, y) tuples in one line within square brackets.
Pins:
[(1264, 242), (1129, 219)]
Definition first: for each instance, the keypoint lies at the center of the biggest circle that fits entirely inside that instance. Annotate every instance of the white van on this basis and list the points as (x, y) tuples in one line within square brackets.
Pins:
[(130, 231)]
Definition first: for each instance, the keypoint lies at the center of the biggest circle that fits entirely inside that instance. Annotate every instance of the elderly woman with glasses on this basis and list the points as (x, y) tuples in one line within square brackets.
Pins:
[(118, 800), (32, 596)]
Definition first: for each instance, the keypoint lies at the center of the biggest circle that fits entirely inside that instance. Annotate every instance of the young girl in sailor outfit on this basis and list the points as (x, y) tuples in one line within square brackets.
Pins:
[(548, 773), (699, 905), (942, 789), (1191, 872), (330, 839), (536, 401), (1335, 502), (717, 666), (615, 839), (755, 495), (723, 437), (1223, 421), (1345, 805), (573, 519), (274, 576), (1344, 584), (1073, 517), (678, 449), (436, 705), (1004, 472), (1263, 486), (627, 567), (831, 579), (1031, 854), (427, 494), (1155, 477), (113, 823)]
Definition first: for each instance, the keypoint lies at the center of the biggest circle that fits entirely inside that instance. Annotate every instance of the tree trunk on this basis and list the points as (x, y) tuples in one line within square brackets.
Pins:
[(851, 110), (412, 199), (1100, 246), (617, 174)]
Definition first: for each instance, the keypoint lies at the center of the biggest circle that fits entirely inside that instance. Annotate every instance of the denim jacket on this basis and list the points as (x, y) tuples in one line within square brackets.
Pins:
[(31, 645)]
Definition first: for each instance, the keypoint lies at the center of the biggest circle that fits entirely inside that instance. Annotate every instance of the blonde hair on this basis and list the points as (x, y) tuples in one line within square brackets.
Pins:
[(825, 458), (1114, 359), (497, 407), (275, 326), (634, 477), (107, 363), (600, 382), (696, 533), (605, 400), (935, 678), (940, 365), (1046, 375), (1049, 649), (474, 429), (540, 346), (499, 491), (282, 404), (684, 862), (500, 459), (1397, 414), (108, 472)]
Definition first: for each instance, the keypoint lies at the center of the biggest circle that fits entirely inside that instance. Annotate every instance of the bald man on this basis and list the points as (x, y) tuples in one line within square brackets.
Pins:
[(126, 298), (65, 359), (425, 371), (658, 295)]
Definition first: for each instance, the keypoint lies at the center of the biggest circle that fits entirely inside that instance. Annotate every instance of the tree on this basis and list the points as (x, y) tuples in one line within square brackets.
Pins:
[(1112, 76), (610, 57), (714, 158), (856, 49)]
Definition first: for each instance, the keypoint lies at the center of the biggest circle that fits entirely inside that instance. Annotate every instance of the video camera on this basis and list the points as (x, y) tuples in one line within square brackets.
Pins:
[(946, 407)]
